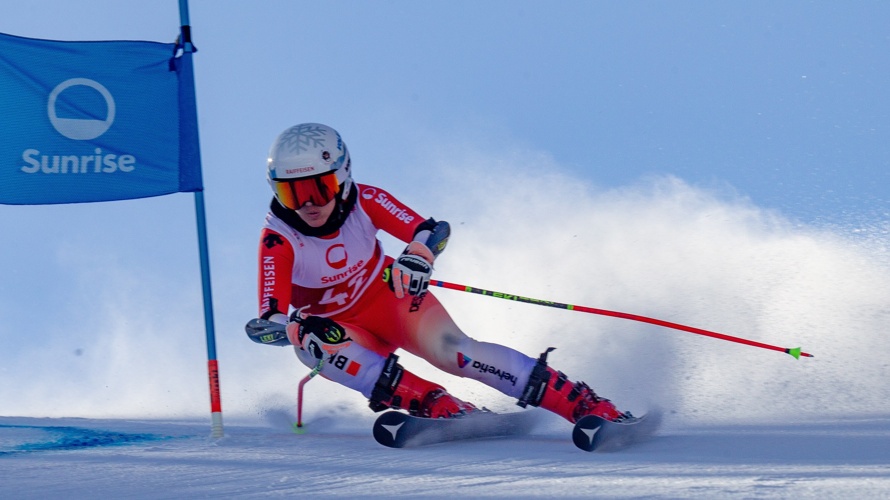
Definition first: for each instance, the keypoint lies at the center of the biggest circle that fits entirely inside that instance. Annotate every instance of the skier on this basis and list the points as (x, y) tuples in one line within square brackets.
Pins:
[(353, 306)]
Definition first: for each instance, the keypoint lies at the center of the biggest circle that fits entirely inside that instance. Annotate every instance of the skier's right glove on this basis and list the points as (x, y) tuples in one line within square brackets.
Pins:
[(412, 270), (320, 337)]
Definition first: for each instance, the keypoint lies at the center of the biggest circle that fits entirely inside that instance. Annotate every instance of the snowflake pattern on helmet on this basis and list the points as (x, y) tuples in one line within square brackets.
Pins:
[(300, 138)]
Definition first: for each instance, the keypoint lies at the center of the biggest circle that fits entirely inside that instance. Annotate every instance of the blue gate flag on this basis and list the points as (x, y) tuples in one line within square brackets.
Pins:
[(95, 121)]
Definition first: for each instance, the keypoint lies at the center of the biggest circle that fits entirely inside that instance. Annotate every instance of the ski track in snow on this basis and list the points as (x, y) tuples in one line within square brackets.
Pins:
[(160, 459)]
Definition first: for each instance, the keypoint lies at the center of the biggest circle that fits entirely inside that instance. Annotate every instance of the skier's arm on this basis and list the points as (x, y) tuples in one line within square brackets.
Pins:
[(276, 261), (426, 239), (389, 214)]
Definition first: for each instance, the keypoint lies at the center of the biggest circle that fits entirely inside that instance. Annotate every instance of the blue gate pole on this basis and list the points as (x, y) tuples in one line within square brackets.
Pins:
[(216, 430)]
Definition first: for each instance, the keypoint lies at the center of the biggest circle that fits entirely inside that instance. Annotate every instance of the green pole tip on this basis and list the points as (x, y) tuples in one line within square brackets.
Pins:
[(299, 429), (794, 352)]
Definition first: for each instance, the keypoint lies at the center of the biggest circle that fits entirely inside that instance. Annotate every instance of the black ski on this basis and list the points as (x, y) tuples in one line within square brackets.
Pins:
[(596, 433), (400, 430)]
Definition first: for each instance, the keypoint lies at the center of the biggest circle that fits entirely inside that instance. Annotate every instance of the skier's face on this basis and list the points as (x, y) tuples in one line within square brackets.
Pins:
[(316, 216)]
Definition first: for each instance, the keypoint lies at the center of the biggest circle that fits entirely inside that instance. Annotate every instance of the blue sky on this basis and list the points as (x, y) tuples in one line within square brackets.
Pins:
[(783, 101), (780, 106)]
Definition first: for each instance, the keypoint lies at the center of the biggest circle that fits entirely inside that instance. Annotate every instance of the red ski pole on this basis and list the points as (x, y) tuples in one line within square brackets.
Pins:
[(298, 427), (796, 352)]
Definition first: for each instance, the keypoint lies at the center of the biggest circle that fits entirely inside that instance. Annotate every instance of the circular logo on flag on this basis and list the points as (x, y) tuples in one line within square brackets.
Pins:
[(80, 129)]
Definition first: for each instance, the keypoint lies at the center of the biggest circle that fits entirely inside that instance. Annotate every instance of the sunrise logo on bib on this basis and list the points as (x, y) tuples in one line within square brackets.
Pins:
[(336, 256)]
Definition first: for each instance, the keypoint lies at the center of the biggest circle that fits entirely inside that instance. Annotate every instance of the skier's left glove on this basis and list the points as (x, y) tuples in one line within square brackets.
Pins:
[(320, 337), (412, 270)]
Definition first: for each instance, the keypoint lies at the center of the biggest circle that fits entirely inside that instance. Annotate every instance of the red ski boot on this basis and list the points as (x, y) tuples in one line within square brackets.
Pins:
[(553, 391), (399, 389)]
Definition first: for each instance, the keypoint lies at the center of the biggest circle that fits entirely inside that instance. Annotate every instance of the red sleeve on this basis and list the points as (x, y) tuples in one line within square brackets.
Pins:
[(276, 264), (388, 213)]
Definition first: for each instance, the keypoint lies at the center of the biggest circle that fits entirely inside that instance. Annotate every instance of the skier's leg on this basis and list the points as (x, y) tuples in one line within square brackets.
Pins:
[(422, 326), (427, 330), (349, 364), (379, 378), (399, 388), (552, 390), (529, 380)]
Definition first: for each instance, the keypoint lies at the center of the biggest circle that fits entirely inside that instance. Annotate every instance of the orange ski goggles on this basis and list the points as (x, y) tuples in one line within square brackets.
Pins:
[(319, 190)]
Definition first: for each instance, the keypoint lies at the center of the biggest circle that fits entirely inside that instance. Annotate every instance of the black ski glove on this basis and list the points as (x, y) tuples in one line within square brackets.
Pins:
[(318, 335)]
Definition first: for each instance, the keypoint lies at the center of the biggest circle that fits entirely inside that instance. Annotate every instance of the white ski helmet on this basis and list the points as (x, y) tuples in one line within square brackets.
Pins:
[(309, 163)]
